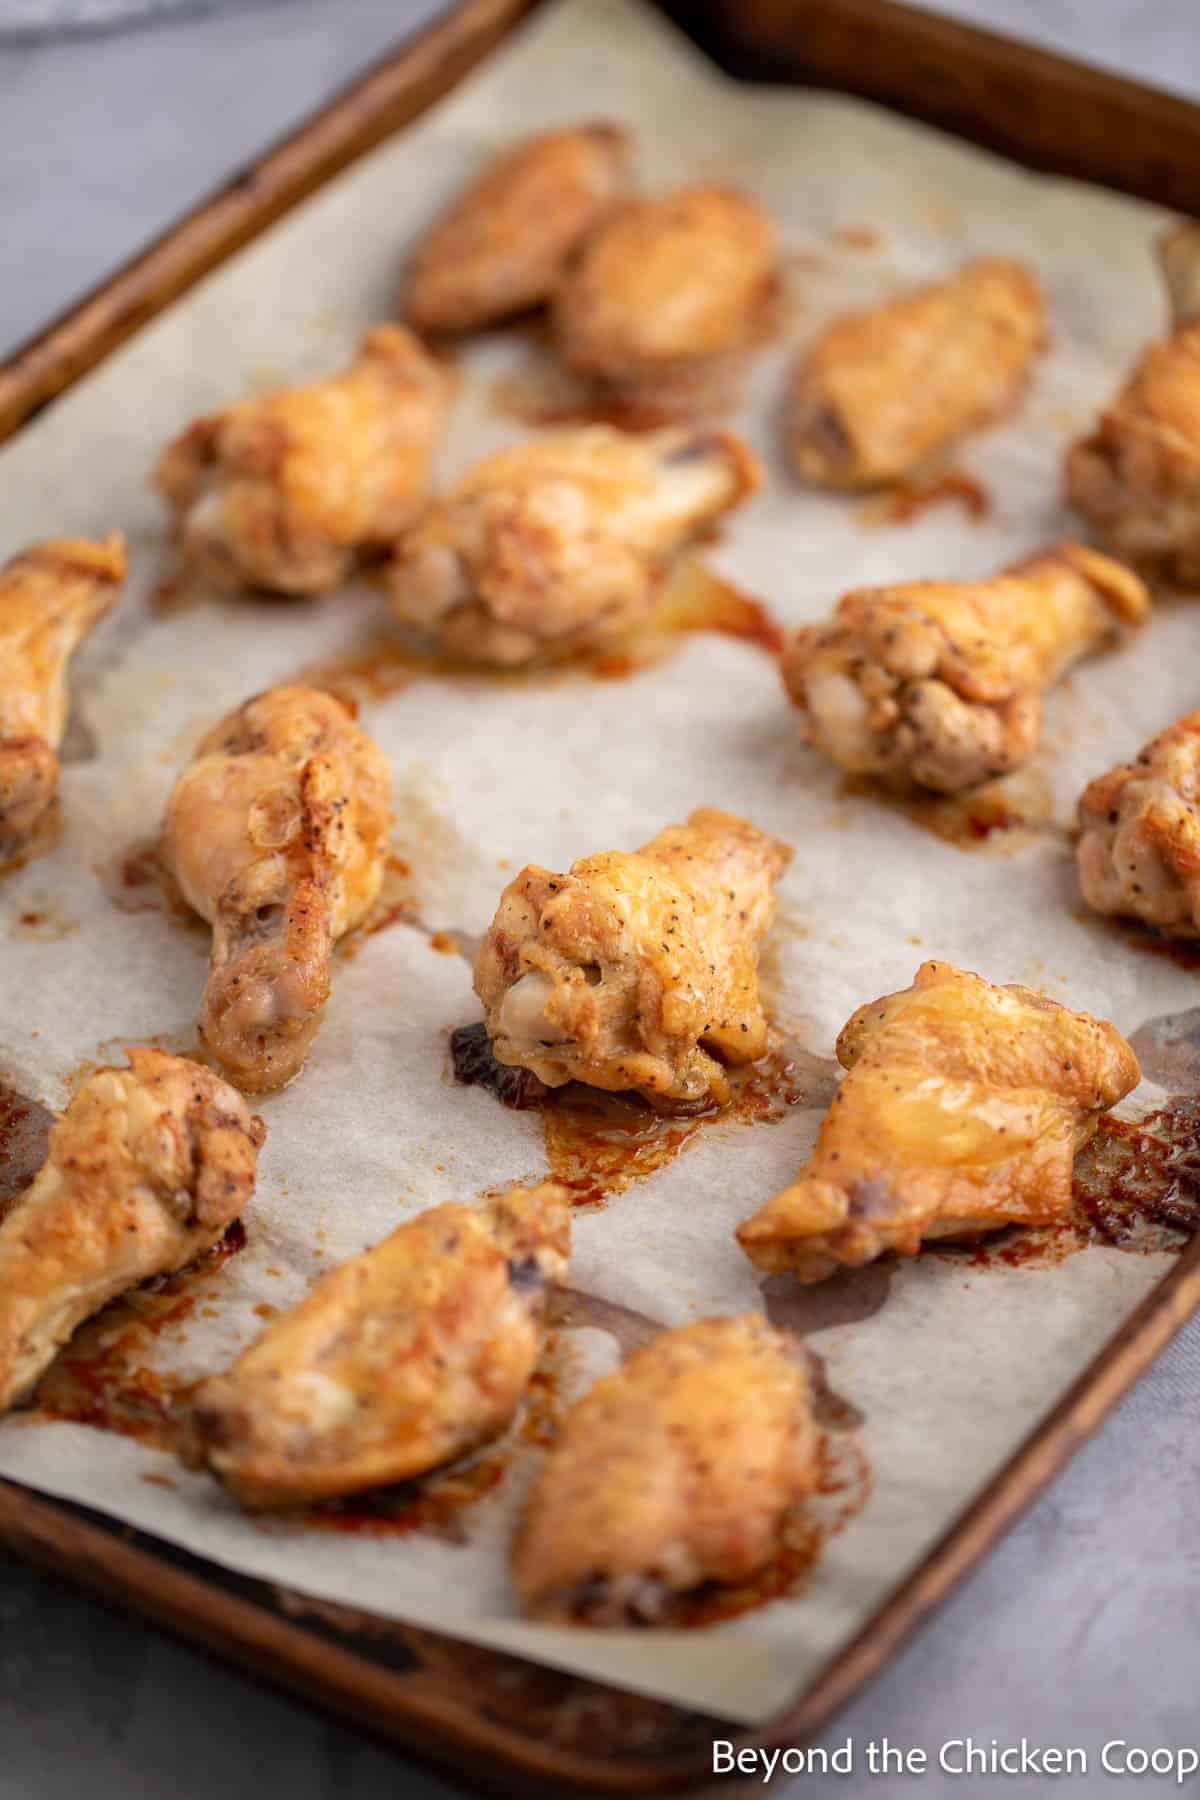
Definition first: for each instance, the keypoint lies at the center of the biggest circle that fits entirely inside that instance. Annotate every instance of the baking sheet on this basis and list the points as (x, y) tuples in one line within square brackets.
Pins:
[(959, 1362)]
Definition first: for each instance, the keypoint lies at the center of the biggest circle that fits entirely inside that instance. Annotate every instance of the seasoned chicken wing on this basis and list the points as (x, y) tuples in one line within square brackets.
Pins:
[(678, 1469), (882, 391), (962, 1112), (504, 243), (402, 1359), (51, 596), (939, 683), (276, 834), (1139, 834), (560, 543), (146, 1169), (284, 492), (667, 296), (1136, 477), (636, 970)]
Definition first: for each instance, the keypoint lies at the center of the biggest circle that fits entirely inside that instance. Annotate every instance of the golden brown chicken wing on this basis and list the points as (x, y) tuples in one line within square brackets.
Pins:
[(504, 243), (276, 833), (962, 1112), (636, 970), (667, 296), (1139, 834), (560, 543), (882, 391), (677, 1470), (939, 683), (1136, 478), (284, 492), (146, 1169), (402, 1359), (51, 596)]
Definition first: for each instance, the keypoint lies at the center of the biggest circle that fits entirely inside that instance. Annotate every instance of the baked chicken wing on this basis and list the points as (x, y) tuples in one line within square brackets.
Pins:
[(560, 543), (284, 492), (1139, 834), (51, 596), (402, 1359), (276, 834), (504, 243), (939, 683), (882, 391), (962, 1112), (667, 296), (146, 1169), (636, 970), (1136, 477), (677, 1470)]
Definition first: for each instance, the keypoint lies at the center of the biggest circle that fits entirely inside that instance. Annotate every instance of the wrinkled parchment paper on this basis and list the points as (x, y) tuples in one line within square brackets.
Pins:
[(960, 1362)]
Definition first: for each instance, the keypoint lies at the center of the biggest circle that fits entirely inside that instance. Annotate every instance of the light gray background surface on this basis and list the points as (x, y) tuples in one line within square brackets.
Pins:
[(1085, 1625)]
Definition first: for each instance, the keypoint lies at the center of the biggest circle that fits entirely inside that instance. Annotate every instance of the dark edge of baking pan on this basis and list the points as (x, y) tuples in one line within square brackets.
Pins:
[(502, 1722)]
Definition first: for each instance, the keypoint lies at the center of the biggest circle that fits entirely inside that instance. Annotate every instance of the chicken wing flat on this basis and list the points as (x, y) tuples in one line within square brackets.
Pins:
[(962, 1112), (1136, 477), (667, 296), (882, 391), (1139, 834), (677, 1470), (560, 543), (637, 970), (146, 1169), (276, 834), (504, 243), (400, 1360), (284, 492), (938, 684), (51, 596)]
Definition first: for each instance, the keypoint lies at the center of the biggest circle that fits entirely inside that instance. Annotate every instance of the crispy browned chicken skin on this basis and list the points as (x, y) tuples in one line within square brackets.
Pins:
[(1136, 477), (284, 492), (962, 1112), (636, 970), (884, 390), (1139, 834), (504, 243), (276, 834), (560, 543), (51, 596), (146, 1169), (402, 1359), (667, 296), (939, 683), (677, 1470)]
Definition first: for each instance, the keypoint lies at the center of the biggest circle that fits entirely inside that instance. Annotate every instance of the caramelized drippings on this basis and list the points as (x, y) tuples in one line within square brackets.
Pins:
[(908, 498), (693, 598), (103, 1377), (858, 237), (394, 904), (1005, 816), (598, 1143), (1184, 953), (24, 1134), (137, 881)]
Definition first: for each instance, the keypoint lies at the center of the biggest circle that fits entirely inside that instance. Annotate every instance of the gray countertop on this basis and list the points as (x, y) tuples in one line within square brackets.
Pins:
[(1084, 1626)]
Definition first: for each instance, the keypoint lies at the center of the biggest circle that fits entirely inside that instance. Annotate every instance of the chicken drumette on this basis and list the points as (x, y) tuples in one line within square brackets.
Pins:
[(667, 296), (1136, 478), (636, 970), (560, 543), (146, 1169), (939, 683), (1139, 834), (404, 1358), (51, 596), (283, 493), (276, 834), (503, 245), (962, 1112), (677, 1470), (882, 391)]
